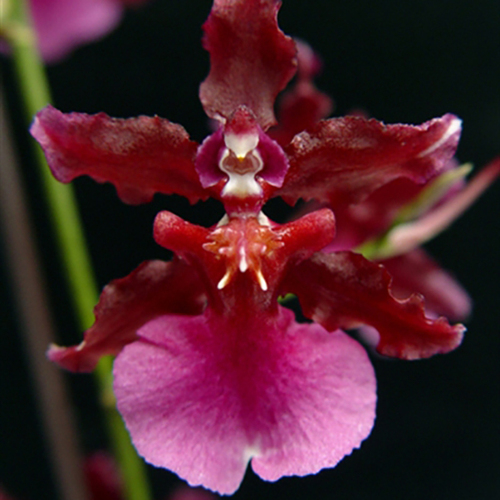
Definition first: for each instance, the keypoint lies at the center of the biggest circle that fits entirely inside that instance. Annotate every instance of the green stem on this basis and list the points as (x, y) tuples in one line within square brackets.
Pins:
[(73, 250)]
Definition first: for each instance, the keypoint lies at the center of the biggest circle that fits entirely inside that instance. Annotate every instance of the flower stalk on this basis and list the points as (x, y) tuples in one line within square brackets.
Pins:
[(62, 206)]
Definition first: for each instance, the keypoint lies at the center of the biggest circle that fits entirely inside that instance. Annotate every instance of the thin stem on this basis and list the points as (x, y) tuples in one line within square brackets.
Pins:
[(36, 323), (73, 249)]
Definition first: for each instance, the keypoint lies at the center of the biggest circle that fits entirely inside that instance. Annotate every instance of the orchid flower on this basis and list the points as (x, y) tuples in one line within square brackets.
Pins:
[(211, 372)]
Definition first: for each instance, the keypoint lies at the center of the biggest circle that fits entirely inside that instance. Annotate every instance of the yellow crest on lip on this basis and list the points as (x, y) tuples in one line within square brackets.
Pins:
[(243, 243)]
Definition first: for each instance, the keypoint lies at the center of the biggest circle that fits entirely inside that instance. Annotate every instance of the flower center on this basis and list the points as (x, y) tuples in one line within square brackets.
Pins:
[(243, 244), (241, 161)]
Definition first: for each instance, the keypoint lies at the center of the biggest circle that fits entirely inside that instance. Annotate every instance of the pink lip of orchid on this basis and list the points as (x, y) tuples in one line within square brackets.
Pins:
[(211, 372), (63, 25)]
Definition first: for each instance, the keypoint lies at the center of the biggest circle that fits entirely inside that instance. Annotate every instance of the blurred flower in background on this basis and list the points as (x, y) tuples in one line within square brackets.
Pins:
[(104, 481), (63, 25)]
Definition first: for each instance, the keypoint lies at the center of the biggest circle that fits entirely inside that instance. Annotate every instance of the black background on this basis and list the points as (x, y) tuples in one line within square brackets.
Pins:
[(437, 433)]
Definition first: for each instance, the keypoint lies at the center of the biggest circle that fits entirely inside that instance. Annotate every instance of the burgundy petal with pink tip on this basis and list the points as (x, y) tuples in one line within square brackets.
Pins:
[(406, 237), (342, 160), (251, 59), (292, 398), (346, 290), (153, 289), (140, 156)]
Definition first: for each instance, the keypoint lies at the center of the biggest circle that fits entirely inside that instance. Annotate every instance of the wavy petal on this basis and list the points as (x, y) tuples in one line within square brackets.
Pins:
[(201, 397), (153, 289), (140, 156), (417, 272), (342, 160), (346, 290), (251, 59)]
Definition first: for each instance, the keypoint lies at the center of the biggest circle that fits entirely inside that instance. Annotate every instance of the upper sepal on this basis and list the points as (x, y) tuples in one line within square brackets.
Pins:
[(140, 156), (251, 59), (345, 290), (342, 160)]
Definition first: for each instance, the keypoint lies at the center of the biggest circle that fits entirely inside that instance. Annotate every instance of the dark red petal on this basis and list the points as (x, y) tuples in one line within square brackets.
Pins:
[(346, 290), (153, 289), (140, 156), (251, 59), (417, 272), (342, 160)]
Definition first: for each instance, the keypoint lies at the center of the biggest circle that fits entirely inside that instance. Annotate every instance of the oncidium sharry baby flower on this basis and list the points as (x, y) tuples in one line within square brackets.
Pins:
[(212, 373)]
